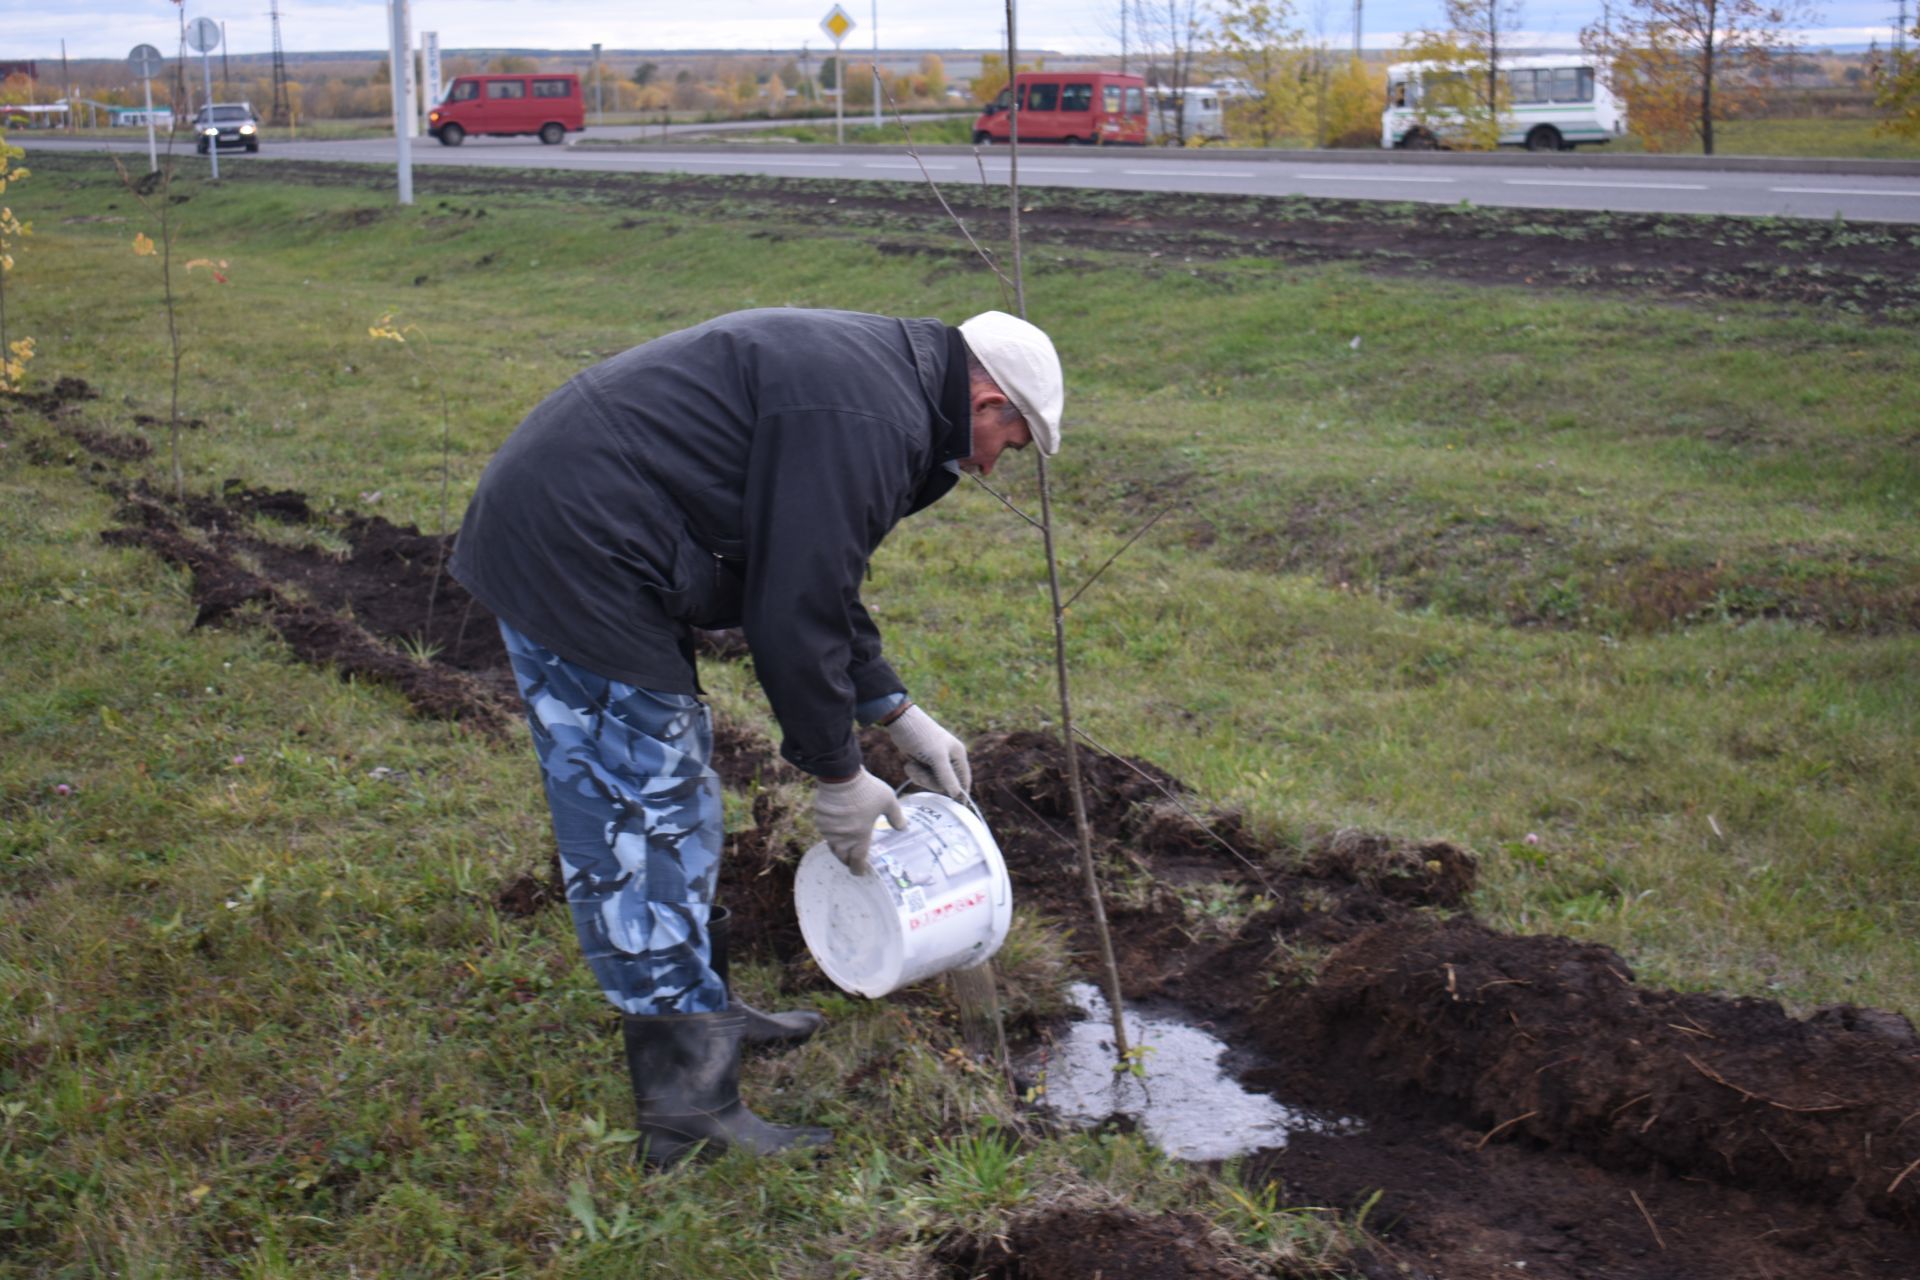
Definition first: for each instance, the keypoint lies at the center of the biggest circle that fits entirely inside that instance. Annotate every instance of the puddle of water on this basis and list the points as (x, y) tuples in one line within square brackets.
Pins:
[(1186, 1103)]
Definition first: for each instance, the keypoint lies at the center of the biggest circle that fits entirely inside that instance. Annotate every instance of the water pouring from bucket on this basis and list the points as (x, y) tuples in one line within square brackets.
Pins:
[(937, 898)]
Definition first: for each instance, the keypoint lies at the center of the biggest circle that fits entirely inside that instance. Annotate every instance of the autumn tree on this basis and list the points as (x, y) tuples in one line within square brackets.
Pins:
[(1450, 100), (1896, 90), (1683, 65), (1463, 96), (1354, 91), (1257, 41), (1168, 32), (993, 76), (934, 71), (1485, 29)]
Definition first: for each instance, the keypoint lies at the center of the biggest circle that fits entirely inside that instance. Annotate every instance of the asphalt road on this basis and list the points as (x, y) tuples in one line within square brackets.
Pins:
[(1613, 183)]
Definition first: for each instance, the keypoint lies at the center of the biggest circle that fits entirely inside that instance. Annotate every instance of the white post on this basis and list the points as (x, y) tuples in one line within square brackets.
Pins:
[(429, 74), (839, 95), (213, 143), (153, 152), (399, 61)]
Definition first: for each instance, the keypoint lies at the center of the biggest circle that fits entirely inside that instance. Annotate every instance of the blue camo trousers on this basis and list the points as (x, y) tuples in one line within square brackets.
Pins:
[(636, 813)]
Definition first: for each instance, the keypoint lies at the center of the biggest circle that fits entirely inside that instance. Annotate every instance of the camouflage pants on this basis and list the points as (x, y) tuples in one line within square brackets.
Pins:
[(636, 812)]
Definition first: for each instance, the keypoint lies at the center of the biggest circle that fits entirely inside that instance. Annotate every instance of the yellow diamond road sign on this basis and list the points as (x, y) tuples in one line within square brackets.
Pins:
[(836, 24)]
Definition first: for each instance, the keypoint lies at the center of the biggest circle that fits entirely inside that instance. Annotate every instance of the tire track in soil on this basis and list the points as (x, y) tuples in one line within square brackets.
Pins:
[(1524, 1099)]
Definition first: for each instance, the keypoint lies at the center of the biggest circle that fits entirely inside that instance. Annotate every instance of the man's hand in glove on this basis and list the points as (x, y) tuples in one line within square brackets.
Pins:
[(936, 759), (846, 811)]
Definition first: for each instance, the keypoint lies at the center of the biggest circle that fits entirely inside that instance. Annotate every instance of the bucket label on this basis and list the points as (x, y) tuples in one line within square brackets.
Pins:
[(927, 860), (951, 907)]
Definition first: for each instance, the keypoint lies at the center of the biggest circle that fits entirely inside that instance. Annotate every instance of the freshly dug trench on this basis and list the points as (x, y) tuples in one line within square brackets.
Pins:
[(1550, 1042)]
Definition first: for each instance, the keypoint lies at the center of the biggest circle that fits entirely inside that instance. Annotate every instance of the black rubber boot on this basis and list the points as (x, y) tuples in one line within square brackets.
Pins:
[(789, 1028), (686, 1088)]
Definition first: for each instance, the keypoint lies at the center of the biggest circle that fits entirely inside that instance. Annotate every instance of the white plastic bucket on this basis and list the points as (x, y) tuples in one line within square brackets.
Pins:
[(938, 898)]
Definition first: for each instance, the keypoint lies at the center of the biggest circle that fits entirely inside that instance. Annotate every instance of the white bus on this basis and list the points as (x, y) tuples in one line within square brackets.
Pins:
[(1554, 103)]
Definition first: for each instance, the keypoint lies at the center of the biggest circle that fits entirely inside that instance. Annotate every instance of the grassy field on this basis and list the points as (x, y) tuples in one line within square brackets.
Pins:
[(1839, 138), (262, 1017)]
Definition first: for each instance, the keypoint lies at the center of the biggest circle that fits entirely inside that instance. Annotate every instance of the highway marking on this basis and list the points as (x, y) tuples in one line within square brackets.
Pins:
[(811, 164), (1638, 186), (1182, 171), (1051, 168), (1361, 177), (1841, 191), (901, 164)]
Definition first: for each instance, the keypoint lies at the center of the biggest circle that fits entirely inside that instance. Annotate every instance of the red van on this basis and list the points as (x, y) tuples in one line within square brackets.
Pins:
[(1090, 108), (547, 104)]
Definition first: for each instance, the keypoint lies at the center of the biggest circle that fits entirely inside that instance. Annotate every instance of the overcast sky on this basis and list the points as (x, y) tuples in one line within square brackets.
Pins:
[(109, 28)]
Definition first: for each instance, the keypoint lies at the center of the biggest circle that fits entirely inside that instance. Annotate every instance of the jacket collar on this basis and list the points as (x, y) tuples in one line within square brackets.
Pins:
[(955, 440), (952, 426)]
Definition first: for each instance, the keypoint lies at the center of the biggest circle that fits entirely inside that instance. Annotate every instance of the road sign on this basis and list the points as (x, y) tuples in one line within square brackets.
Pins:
[(144, 62), (836, 24), (203, 35)]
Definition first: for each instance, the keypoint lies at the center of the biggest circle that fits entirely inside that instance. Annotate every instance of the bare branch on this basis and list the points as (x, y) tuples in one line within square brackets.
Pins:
[(933, 186), (1138, 533), (1004, 500), (1179, 804)]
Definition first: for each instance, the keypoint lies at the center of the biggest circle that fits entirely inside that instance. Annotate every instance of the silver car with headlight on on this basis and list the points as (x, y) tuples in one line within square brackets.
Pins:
[(227, 125)]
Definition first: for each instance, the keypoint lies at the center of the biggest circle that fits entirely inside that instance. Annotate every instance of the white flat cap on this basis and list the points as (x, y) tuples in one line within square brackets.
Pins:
[(1021, 360)]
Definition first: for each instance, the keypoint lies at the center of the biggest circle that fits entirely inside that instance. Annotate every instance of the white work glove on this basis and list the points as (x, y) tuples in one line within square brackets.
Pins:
[(846, 811), (936, 759)]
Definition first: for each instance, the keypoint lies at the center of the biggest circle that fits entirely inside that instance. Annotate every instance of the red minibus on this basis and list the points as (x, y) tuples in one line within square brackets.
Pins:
[(1090, 108), (547, 104)]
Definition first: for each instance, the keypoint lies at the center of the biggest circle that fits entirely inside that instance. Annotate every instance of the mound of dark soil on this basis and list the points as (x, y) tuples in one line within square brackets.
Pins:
[(1549, 1042)]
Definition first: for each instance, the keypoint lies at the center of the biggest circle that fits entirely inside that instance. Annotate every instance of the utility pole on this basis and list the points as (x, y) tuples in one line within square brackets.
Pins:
[(1900, 30), (66, 83), (599, 99), (1356, 27), (876, 64), (282, 112), (182, 104), (226, 68), (400, 79)]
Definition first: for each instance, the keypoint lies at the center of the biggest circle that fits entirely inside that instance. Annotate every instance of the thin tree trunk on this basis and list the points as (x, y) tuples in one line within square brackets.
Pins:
[(1706, 93), (1111, 968), (173, 329)]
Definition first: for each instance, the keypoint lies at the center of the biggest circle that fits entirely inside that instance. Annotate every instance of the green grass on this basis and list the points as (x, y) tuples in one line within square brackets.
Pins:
[(263, 1019), (1839, 138), (922, 132)]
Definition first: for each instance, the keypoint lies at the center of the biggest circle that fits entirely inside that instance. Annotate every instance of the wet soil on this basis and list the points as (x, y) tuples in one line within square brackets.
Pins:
[(1871, 269), (1528, 1108)]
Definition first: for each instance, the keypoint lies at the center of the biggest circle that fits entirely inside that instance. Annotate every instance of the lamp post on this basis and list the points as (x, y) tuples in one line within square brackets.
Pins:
[(876, 63)]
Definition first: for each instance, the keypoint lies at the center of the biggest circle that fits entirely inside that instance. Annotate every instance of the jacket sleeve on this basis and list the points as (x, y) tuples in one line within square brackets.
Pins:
[(823, 488), (872, 676)]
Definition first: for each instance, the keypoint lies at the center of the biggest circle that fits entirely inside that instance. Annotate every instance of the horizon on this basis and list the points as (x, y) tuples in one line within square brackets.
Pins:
[(96, 30)]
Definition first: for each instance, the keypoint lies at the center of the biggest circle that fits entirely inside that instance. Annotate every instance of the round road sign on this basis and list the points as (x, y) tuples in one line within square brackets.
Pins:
[(203, 35), (144, 61)]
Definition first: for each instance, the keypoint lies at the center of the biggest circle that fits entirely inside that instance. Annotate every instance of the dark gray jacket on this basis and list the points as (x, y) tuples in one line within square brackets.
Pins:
[(737, 473)]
